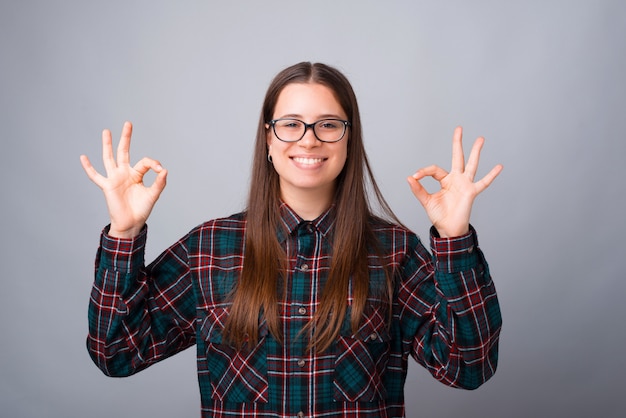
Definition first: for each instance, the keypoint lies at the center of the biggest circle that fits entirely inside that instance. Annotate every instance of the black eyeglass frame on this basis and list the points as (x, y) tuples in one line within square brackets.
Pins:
[(311, 126)]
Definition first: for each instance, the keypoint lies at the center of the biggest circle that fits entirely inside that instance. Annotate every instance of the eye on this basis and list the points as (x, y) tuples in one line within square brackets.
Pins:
[(329, 124), (289, 124)]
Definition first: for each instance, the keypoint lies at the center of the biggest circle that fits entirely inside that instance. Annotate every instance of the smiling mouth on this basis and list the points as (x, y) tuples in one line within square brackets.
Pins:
[(308, 161)]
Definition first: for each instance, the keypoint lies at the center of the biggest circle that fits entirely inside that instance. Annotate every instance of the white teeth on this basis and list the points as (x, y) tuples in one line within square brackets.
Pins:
[(302, 160)]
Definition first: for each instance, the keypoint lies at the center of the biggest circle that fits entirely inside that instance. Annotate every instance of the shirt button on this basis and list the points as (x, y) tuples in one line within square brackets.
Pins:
[(302, 310), (301, 363), (304, 267), (374, 337), (300, 414)]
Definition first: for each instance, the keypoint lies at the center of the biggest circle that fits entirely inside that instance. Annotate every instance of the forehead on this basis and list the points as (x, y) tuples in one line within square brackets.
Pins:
[(307, 100)]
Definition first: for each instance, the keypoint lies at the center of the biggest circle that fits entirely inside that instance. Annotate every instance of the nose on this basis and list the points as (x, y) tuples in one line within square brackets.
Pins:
[(309, 139)]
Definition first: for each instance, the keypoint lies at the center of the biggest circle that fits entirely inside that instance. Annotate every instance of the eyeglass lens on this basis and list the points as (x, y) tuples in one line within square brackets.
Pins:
[(327, 130)]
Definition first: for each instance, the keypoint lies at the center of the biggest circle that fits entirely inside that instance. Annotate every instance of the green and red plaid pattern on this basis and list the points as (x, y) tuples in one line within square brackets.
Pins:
[(445, 315)]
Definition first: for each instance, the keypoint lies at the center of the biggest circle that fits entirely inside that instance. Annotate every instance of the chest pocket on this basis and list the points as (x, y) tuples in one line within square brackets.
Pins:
[(236, 376), (361, 361)]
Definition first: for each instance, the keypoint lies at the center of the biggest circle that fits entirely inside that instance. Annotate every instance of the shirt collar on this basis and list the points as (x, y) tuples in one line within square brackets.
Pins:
[(291, 220)]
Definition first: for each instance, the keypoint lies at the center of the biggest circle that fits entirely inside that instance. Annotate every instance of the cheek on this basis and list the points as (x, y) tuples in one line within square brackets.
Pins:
[(344, 154), (341, 161)]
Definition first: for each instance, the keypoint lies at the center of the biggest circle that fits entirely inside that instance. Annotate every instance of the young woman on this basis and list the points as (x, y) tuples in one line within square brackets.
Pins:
[(306, 304)]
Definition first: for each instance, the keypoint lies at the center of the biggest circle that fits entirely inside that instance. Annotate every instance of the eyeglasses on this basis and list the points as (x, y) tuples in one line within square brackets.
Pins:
[(293, 130)]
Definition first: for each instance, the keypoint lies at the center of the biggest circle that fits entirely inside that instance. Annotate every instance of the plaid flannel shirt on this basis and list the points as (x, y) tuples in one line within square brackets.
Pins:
[(445, 315)]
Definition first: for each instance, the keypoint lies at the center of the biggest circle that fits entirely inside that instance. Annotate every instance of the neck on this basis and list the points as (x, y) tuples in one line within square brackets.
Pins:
[(308, 204)]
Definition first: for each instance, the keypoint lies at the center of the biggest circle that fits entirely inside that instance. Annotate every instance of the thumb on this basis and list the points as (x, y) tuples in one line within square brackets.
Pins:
[(159, 183), (418, 190)]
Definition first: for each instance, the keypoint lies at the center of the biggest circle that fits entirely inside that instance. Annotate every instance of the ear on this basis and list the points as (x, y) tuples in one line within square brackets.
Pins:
[(268, 135)]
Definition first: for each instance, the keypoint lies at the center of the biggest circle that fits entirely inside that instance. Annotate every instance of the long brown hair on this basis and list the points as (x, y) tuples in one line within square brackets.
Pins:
[(256, 296)]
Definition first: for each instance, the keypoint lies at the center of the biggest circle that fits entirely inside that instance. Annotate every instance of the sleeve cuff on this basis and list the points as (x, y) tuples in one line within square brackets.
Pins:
[(122, 254), (454, 254)]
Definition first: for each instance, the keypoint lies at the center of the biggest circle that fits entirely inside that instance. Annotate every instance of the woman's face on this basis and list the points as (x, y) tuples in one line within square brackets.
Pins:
[(309, 165)]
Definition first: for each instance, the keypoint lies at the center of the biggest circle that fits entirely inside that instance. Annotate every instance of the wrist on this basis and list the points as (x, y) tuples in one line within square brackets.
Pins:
[(452, 233), (128, 233)]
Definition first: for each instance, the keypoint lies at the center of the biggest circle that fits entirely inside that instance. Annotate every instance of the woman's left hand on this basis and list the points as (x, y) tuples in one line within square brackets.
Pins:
[(449, 208)]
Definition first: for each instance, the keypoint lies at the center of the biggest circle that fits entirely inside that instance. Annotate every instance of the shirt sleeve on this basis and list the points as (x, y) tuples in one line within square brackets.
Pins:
[(449, 311), (138, 315)]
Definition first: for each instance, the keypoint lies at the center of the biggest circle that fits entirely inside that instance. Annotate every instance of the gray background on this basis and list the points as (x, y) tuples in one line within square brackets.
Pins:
[(543, 81)]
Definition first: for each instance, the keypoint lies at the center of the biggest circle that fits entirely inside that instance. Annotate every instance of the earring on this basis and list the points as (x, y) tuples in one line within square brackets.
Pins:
[(269, 157)]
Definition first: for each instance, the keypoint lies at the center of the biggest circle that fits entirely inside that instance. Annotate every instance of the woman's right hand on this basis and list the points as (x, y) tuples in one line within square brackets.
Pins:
[(128, 200)]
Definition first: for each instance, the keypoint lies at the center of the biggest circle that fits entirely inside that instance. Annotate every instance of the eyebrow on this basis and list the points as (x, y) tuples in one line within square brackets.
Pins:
[(319, 117)]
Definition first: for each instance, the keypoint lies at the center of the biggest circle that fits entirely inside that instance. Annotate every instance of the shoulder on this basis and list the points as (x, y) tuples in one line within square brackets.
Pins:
[(382, 227), (235, 222), (224, 234), (391, 237), (398, 245)]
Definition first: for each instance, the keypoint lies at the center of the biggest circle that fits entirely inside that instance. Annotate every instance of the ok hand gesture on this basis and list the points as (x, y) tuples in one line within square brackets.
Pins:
[(128, 200), (449, 208)]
